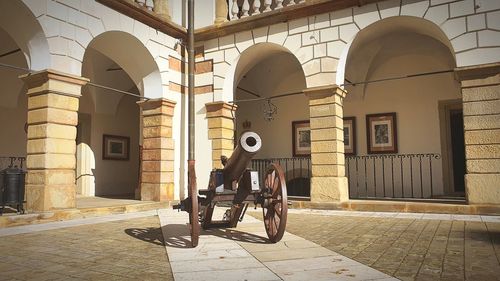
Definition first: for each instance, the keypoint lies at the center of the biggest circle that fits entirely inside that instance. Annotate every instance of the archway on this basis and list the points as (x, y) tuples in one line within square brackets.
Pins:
[(263, 71), (22, 45), (108, 141), (401, 132)]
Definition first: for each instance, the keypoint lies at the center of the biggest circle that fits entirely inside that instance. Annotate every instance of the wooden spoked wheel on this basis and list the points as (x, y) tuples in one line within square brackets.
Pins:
[(194, 223), (275, 207)]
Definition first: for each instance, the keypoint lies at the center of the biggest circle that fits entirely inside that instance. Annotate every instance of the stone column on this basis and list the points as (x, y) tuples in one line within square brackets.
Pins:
[(481, 111), (53, 100), (220, 130), (221, 11), (157, 177), (328, 182), (161, 8)]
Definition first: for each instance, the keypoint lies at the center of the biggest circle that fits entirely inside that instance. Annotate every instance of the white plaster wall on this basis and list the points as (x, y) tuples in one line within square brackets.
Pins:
[(204, 12), (113, 177), (13, 101), (12, 120)]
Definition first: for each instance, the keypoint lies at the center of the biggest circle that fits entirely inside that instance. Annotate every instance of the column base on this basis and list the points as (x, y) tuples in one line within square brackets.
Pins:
[(483, 188), (50, 197), (329, 189), (159, 192)]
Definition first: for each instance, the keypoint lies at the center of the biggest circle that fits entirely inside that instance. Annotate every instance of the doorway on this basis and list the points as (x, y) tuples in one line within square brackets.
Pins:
[(458, 150), (453, 147)]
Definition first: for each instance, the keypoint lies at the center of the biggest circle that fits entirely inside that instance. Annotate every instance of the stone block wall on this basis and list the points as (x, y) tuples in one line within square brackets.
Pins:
[(157, 175), (481, 109), (220, 130), (53, 100), (328, 182)]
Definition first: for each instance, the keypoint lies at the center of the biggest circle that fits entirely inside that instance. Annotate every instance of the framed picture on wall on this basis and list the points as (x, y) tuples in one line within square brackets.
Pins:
[(381, 133), (349, 135), (115, 147), (301, 138)]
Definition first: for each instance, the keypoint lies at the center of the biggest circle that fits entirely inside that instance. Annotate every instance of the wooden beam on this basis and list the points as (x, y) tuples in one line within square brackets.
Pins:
[(147, 17)]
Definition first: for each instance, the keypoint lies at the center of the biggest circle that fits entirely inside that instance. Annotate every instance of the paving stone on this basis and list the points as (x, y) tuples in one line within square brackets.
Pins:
[(261, 274), (89, 251), (444, 247)]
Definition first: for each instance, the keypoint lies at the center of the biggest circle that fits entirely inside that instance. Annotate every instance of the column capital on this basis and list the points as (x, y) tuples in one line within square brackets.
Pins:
[(477, 71), (220, 109), (157, 106), (56, 82), (324, 92)]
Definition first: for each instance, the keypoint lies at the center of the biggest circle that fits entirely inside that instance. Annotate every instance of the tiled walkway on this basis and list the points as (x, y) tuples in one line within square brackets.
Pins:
[(244, 254)]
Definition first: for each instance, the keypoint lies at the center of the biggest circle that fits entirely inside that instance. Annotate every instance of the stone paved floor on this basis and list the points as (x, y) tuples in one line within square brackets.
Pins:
[(407, 248), (119, 250), (130, 246)]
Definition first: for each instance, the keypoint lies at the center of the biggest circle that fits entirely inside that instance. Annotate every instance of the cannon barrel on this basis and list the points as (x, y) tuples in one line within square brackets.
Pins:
[(249, 144)]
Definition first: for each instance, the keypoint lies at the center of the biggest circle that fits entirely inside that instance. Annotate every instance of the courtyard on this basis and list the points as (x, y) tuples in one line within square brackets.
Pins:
[(318, 245)]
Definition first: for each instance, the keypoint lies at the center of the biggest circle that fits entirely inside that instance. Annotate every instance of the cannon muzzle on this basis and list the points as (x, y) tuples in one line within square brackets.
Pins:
[(249, 144)]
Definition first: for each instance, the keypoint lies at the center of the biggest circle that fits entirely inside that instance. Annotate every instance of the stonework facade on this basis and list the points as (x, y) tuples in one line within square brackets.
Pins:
[(88, 44)]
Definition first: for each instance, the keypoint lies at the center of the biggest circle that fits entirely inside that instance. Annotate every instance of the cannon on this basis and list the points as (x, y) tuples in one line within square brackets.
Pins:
[(236, 186)]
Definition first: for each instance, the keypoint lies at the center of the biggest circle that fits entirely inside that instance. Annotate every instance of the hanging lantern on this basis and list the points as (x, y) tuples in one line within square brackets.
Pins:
[(270, 110)]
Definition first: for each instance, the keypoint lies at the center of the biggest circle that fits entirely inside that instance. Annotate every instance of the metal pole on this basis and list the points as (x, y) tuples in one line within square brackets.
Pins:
[(192, 188), (191, 131)]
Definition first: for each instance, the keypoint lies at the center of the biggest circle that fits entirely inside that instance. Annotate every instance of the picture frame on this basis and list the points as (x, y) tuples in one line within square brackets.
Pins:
[(115, 147), (301, 138), (350, 136), (381, 132)]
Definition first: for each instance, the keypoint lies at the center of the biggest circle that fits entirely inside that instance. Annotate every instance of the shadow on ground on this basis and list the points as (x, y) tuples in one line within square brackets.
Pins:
[(151, 234), (177, 235)]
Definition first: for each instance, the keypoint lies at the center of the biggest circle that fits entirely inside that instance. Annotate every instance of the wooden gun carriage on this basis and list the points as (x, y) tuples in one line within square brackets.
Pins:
[(237, 186)]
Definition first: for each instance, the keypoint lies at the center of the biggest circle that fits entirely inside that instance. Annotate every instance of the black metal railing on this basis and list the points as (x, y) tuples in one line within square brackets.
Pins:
[(297, 172), (394, 176), (12, 161)]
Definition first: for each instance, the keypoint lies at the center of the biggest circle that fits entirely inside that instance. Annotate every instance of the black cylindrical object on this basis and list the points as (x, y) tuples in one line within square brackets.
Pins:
[(12, 187), (249, 144)]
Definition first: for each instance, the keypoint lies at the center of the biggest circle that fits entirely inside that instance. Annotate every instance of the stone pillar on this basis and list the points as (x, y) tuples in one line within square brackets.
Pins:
[(161, 8), (53, 100), (328, 182), (220, 130), (221, 11), (481, 111), (157, 175)]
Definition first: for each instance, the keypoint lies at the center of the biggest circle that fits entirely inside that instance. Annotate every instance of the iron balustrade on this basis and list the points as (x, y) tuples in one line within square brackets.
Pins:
[(297, 173), (384, 176), (11, 162), (394, 176)]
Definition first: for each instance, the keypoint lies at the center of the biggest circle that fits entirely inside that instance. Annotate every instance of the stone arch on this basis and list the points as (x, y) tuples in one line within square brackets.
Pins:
[(393, 47), (245, 61), (387, 26), (135, 59), (21, 24)]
